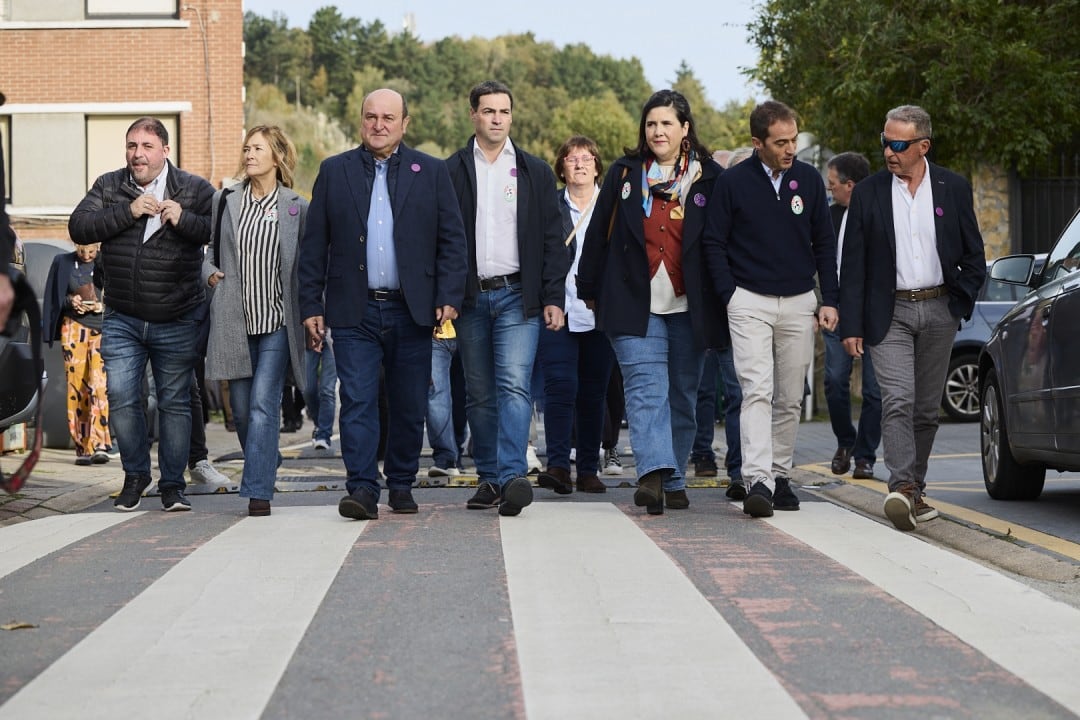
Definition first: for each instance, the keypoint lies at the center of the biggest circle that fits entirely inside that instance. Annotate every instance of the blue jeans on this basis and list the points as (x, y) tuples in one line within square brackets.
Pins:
[(497, 344), (256, 409), (576, 367), (440, 407), (389, 338), (320, 389), (661, 373), (127, 344), (732, 407), (838, 397)]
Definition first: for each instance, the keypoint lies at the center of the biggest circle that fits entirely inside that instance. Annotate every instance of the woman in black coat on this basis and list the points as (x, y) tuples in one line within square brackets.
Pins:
[(642, 272)]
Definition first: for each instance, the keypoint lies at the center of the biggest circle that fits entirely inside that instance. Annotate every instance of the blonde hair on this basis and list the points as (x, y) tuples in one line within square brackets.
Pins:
[(281, 148)]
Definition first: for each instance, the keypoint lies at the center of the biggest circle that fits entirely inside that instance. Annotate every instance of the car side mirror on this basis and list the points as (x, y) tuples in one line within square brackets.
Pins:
[(1014, 269)]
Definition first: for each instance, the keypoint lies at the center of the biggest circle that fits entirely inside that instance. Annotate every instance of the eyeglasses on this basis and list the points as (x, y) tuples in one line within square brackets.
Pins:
[(899, 146), (579, 160)]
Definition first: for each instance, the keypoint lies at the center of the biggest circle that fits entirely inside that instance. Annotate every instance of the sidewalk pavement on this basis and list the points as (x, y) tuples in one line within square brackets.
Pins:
[(59, 486)]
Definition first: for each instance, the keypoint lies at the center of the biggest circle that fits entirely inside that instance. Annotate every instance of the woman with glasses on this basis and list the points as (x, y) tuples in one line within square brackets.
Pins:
[(576, 360), (641, 270), (255, 326)]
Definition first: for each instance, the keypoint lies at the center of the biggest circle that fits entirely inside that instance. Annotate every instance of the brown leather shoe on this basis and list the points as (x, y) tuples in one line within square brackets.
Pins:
[(557, 479), (590, 484), (863, 470), (841, 461), (258, 508), (676, 499)]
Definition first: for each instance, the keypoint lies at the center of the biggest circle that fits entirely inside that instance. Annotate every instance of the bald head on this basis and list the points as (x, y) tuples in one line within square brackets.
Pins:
[(385, 118)]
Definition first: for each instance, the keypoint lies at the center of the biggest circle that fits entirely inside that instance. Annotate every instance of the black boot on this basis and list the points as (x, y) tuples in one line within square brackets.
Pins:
[(650, 492)]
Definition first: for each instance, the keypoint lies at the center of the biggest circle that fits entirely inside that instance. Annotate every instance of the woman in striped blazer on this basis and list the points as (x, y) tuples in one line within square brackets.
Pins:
[(255, 328)]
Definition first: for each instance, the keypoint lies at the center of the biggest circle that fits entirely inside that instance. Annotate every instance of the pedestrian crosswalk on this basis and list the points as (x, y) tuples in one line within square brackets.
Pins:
[(580, 609)]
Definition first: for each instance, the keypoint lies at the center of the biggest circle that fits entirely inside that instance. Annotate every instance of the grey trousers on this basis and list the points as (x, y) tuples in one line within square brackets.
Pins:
[(911, 363)]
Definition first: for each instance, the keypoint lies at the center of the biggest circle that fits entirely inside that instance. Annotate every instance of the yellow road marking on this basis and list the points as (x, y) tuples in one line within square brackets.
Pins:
[(1004, 527)]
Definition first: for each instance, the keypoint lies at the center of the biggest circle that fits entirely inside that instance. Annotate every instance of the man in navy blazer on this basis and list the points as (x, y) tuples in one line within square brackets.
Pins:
[(912, 266), (382, 262), (516, 282)]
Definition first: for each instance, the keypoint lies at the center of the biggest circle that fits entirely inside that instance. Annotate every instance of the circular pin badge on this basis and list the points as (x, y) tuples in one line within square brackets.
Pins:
[(293, 210), (939, 212), (794, 184), (415, 167), (626, 190), (513, 172), (699, 199), (797, 205)]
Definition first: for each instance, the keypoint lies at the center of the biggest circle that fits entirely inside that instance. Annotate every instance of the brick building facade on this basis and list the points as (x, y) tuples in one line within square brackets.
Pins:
[(77, 72)]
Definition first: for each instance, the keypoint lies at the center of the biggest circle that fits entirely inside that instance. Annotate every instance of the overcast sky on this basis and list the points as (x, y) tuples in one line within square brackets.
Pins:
[(660, 35)]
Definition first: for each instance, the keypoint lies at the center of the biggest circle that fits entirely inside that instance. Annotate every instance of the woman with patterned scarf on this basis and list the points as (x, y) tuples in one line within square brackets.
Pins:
[(643, 274)]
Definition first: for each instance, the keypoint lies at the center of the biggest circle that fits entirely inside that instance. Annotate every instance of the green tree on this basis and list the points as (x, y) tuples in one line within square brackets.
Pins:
[(998, 77)]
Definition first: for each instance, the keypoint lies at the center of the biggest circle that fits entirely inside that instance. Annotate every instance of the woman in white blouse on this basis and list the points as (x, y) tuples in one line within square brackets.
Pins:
[(576, 361), (255, 331)]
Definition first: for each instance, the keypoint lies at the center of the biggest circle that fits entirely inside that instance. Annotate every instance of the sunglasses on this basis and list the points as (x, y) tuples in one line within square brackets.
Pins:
[(899, 146)]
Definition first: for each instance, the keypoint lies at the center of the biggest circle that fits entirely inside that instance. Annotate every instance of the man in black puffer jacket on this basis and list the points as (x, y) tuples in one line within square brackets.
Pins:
[(152, 220)]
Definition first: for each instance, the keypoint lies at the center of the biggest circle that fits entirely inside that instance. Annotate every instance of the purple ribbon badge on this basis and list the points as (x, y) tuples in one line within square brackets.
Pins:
[(794, 184), (293, 210), (939, 212), (699, 199), (415, 167)]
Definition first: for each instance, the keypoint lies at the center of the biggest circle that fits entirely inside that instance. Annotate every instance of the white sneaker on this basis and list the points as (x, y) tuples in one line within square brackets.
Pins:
[(612, 465), (320, 444), (532, 461), (436, 471), (204, 472)]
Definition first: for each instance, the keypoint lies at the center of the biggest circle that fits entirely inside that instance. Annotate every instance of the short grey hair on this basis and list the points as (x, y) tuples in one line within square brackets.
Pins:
[(912, 114)]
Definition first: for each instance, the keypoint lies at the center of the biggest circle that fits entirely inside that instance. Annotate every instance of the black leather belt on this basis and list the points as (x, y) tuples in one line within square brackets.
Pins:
[(383, 294), (499, 282), (917, 295)]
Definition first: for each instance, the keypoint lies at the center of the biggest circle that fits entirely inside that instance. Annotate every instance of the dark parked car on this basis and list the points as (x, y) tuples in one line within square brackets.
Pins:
[(1029, 374), (960, 399)]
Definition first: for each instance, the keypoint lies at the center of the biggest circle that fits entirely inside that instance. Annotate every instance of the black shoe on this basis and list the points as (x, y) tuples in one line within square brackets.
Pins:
[(174, 500), (864, 470), (401, 502), (736, 489), (363, 504), (131, 495), (557, 479), (258, 508), (517, 493), (705, 468), (676, 499), (841, 461), (759, 501), (649, 493), (486, 497), (785, 498)]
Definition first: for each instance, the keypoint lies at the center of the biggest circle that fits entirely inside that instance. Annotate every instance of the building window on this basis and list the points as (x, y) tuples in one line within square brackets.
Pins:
[(5, 143), (131, 8), (105, 142)]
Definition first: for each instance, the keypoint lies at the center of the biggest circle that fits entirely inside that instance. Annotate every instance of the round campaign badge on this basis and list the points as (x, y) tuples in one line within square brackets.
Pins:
[(626, 190), (699, 199), (415, 167), (794, 184), (796, 205)]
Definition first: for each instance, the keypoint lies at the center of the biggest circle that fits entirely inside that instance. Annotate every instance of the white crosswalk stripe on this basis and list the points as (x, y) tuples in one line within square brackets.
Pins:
[(639, 626), (1023, 630), (606, 616), (269, 583)]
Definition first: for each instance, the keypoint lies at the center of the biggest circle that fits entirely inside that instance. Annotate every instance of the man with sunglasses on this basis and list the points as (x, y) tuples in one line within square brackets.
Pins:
[(911, 268)]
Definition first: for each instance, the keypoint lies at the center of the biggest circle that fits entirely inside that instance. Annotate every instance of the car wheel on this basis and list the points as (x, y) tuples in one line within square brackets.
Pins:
[(1005, 478), (960, 398)]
